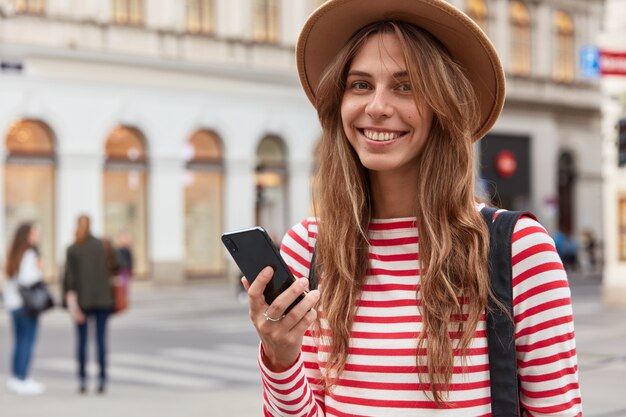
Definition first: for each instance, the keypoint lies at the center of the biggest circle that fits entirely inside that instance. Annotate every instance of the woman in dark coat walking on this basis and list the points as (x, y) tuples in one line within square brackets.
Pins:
[(89, 297)]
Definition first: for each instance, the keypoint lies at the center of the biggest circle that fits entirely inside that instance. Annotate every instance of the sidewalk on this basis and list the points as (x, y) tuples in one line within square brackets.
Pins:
[(601, 346)]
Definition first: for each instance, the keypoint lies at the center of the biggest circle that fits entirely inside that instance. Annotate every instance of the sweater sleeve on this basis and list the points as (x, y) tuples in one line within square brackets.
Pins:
[(296, 392), (544, 326), (29, 272), (70, 272)]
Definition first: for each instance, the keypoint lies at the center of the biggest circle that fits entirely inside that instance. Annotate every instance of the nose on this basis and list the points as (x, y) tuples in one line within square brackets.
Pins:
[(379, 105)]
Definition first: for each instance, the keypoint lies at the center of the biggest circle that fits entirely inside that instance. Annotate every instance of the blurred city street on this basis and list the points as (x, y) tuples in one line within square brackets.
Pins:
[(171, 122), (191, 351), (188, 351)]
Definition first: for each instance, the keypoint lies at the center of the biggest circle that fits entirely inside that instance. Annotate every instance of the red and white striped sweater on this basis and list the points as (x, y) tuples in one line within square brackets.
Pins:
[(380, 377)]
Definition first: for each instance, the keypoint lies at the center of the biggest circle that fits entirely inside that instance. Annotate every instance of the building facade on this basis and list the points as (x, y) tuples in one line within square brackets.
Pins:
[(613, 41), (172, 121)]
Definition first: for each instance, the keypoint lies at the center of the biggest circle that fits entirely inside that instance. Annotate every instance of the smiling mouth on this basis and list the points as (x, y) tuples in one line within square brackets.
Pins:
[(381, 136)]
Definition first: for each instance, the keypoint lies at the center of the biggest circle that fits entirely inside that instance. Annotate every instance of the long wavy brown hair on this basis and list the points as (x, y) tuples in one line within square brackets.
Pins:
[(20, 244), (453, 238)]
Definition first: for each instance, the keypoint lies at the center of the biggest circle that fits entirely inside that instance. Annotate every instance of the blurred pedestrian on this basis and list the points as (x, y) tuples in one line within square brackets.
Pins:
[(89, 297), (590, 247), (125, 254), (567, 248), (23, 268)]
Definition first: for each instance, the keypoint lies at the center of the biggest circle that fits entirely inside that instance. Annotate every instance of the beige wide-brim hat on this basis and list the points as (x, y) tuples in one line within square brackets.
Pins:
[(329, 28)]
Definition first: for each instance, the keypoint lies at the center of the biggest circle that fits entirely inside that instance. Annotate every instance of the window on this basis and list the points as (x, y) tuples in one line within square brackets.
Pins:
[(204, 189), (477, 10), (125, 186), (29, 185), (564, 59), (271, 186), (200, 16), (520, 39), (128, 12), (265, 20), (30, 6)]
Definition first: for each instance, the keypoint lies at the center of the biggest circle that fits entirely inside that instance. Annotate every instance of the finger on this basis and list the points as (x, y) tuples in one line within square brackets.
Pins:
[(260, 282), (284, 300), (305, 322), (245, 283), (258, 287), (300, 311)]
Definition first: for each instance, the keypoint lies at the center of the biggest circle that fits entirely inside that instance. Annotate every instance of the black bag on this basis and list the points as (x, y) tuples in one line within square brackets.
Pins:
[(37, 298)]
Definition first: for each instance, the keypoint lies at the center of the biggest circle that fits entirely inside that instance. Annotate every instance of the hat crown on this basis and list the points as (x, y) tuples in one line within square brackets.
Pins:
[(328, 29)]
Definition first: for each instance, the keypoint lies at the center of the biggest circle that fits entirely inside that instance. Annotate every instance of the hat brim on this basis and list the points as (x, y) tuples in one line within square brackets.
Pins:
[(329, 28)]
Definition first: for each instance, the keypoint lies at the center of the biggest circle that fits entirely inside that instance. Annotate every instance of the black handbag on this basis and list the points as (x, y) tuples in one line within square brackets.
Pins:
[(37, 298)]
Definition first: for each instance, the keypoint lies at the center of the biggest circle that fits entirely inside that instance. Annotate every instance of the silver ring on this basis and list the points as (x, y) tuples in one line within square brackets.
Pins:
[(269, 318)]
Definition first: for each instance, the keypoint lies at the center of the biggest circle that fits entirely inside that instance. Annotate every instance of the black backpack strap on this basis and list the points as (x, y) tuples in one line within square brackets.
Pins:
[(313, 278), (500, 328)]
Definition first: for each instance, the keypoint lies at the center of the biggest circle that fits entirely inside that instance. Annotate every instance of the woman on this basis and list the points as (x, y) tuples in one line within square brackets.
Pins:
[(89, 297), (402, 89), (23, 269)]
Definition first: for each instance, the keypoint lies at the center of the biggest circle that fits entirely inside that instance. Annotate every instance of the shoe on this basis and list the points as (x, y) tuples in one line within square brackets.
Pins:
[(36, 385), (12, 384), (28, 387), (102, 384), (82, 388)]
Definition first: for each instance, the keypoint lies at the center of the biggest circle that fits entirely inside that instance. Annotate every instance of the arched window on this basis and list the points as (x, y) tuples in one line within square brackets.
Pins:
[(477, 10), (564, 57), (520, 39), (30, 6), (128, 12), (204, 190), (125, 192), (266, 20), (29, 185), (271, 186), (201, 16)]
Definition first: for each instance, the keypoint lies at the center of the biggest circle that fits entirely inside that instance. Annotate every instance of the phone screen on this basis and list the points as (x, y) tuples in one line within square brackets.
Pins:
[(252, 250)]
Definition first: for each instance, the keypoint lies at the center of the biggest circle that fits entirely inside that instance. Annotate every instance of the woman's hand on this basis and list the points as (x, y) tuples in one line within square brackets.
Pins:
[(281, 336), (72, 305)]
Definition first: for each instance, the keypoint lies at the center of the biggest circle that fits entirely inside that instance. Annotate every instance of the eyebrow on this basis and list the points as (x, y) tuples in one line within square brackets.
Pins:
[(357, 73)]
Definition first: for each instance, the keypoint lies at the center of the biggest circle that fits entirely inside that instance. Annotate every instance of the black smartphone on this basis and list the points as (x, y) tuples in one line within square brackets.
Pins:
[(252, 250)]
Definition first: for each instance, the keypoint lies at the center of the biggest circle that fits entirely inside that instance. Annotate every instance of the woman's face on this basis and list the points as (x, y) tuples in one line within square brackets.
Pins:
[(381, 119), (33, 236)]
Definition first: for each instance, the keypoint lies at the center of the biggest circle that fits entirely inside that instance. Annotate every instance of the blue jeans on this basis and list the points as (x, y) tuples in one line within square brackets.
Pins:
[(100, 316), (25, 334)]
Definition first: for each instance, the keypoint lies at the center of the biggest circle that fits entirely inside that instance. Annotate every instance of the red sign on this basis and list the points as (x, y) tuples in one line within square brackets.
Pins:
[(506, 164), (613, 63)]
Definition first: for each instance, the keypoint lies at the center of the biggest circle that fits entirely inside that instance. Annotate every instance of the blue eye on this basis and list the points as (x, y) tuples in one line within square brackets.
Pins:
[(404, 87), (360, 85)]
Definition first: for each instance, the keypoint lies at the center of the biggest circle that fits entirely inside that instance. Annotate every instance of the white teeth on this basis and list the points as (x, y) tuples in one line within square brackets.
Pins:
[(380, 136)]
